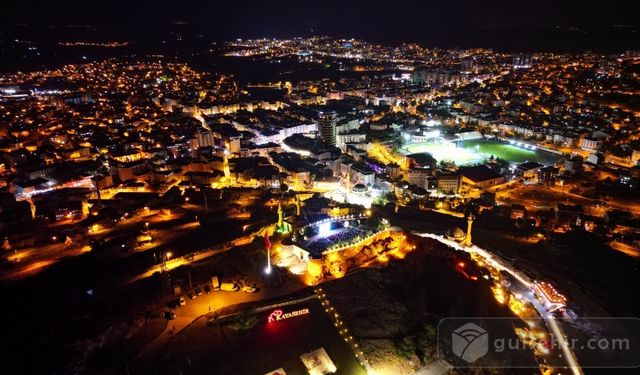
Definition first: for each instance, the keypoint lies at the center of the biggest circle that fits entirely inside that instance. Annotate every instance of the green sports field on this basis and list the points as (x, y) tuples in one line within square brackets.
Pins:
[(473, 152)]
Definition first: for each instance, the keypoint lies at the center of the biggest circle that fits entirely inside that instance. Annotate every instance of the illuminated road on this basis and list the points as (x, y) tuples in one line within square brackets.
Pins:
[(611, 201), (30, 261), (190, 258), (625, 249), (538, 196), (568, 354)]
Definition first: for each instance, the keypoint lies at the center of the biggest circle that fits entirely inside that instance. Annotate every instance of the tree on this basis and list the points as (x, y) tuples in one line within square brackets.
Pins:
[(380, 201), (245, 320), (406, 347), (426, 341)]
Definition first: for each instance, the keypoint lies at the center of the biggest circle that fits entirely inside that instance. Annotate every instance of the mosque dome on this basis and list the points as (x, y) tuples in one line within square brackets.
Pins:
[(456, 234)]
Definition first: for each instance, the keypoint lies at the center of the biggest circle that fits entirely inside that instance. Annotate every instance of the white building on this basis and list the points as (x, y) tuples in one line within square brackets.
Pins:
[(418, 177)]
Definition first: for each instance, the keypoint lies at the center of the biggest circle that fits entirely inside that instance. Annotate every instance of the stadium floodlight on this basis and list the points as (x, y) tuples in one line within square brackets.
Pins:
[(324, 229)]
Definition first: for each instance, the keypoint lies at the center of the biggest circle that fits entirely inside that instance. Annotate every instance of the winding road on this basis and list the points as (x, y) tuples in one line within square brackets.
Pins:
[(549, 319)]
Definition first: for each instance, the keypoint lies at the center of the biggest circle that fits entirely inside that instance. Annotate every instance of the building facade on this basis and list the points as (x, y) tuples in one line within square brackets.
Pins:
[(327, 127)]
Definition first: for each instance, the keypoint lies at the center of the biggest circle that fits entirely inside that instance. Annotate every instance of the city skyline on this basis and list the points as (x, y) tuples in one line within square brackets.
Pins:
[(462, 24)]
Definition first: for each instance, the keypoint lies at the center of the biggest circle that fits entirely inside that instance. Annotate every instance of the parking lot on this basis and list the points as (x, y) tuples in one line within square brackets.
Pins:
[(268, 346)]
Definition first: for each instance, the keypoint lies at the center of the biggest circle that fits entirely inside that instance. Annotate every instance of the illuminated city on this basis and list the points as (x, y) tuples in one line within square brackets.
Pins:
[(294, 188)]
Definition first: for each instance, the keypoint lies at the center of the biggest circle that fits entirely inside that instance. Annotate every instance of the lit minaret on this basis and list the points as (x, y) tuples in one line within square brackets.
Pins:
[(298, 206), (346, 194), (467, 238), (280, 215), (348, 181)]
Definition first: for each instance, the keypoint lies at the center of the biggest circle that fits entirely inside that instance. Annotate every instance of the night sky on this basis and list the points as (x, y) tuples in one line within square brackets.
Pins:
[(431, 22)]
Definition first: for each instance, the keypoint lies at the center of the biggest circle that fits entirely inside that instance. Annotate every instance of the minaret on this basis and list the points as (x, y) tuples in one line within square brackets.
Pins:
[(298, 206), (95, 185), (467, 238), (280, 216), (348, 181), (346, 194)]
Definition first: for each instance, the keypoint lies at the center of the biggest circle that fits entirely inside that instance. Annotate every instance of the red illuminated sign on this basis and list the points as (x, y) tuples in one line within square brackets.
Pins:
[(278, 315)]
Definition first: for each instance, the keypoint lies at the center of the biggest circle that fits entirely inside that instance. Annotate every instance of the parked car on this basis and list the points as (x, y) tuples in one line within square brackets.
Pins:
[(229, 287), (170, 315), (207, 288), (249, 289), (191, 295), (198, 291), (182, 301)]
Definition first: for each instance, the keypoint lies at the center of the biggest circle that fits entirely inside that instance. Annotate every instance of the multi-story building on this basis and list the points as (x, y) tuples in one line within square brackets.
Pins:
[(547, 174), (350, 137), (362, 174), (528, 169), (327, 127), (204, 139), (573, 164), (418, 176), (635, 156), (448, 183), (596, 158), (591, 144), (481, 176)]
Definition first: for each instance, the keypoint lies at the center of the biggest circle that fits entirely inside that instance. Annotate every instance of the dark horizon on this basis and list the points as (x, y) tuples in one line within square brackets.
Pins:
[(504, 26)]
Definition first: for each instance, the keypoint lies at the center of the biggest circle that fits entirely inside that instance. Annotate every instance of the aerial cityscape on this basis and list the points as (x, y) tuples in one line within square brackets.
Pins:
[(290, 188)]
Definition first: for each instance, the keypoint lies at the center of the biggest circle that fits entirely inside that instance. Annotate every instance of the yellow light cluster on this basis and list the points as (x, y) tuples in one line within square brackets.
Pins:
[(342, 329)]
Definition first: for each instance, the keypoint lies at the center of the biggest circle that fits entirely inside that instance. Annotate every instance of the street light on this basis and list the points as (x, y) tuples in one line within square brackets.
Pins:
[(165, 258), (268, 268)]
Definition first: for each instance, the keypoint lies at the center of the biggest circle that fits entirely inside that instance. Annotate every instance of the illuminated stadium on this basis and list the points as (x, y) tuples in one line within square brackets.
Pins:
[(474, 151)]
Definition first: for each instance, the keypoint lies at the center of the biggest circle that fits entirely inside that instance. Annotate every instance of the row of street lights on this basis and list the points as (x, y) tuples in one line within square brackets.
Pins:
[(343, 330)]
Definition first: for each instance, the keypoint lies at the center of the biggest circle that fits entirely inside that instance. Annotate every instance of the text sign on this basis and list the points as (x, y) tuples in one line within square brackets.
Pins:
[(278, 315)]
